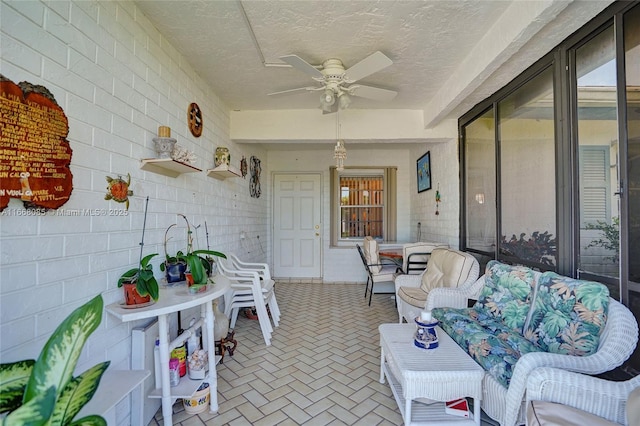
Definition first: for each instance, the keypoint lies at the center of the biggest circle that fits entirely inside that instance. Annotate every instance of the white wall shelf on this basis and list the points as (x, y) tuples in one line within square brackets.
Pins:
[(167, 166), (224, 171)]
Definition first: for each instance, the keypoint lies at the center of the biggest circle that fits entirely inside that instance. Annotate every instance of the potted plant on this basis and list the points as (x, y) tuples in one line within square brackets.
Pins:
[(44, 391), (173, 267), (197, 266), (140, 285)]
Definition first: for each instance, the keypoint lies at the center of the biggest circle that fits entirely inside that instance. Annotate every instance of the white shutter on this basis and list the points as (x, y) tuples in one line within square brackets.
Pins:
[(595, 184)]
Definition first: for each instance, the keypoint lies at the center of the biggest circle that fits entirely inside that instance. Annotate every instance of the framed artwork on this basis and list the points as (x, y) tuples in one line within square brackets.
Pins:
[(423, 170)]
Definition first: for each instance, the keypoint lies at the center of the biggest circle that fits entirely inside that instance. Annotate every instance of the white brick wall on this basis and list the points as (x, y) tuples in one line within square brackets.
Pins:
[(445, 171), (117, 80)]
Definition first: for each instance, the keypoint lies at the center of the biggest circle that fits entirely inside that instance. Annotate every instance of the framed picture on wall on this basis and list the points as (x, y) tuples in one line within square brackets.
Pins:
[(423, 170)]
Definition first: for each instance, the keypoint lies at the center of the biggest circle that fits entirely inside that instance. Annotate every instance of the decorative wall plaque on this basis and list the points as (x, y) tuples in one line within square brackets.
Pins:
[(194, 117), (34, 152)]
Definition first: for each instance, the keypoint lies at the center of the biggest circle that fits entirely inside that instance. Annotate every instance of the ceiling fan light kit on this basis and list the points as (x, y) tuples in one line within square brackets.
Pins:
[(336, 81)]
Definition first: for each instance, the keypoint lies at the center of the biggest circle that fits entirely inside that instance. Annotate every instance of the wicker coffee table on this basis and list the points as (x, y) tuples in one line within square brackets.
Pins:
[(441, 374)]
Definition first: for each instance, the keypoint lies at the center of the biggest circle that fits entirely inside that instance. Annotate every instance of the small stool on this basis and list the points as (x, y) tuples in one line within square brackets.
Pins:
[(221, 348)]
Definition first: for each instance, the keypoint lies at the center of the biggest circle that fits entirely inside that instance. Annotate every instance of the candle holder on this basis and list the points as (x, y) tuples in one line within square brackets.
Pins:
[(426, 336)]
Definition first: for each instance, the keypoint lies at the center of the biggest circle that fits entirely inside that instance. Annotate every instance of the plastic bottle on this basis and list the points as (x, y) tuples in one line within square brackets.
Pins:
[(174, 374), (156, 363), (192, 341)]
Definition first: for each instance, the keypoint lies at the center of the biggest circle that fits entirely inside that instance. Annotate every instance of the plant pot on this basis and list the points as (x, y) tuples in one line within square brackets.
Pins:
[(131, 296), (194, 288), (174, 272), (164, 146)]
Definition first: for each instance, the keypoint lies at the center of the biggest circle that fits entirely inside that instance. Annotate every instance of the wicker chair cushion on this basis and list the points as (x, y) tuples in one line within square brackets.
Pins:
[(446, 268), (371, 253), (545, 413)]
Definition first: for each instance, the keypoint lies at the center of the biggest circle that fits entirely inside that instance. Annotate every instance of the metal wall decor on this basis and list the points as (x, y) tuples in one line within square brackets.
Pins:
[(194, 116), (118, 189), (243, 167), (254, 185)]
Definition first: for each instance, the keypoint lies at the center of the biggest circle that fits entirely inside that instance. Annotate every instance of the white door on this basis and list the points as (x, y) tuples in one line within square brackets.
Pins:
[(297, 231)]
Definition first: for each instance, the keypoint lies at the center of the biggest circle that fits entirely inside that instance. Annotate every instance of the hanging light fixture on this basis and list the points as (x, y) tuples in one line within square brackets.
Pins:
[(339, 152)]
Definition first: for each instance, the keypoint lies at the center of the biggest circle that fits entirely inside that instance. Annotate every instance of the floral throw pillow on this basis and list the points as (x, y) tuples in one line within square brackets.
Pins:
[(507, 293), (569, 315)]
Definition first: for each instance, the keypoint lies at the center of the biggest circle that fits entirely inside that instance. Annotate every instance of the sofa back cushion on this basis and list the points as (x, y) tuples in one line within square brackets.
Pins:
[(507, 294), (446, 268), (568, 315), (371, 253)]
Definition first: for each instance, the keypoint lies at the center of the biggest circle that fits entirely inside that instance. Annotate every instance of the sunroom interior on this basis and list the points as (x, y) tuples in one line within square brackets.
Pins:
[(529, 111)]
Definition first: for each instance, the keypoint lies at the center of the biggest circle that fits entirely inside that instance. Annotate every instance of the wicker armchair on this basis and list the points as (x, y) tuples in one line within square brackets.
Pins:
[(617, 402), (448, 269)]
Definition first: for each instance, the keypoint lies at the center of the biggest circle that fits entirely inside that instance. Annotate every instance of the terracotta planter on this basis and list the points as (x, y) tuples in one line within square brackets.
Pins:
[(194, 289), (131, 296)]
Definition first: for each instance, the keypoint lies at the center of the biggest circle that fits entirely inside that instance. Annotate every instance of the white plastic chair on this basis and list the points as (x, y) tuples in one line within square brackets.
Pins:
[(261, 268), (248, 290), (265, 274)]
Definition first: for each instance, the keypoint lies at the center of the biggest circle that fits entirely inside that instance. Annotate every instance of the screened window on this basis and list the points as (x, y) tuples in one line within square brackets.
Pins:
[(480, 182), (527, 173)]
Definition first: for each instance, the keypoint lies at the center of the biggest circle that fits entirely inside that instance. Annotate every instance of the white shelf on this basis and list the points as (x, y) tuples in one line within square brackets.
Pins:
[(114, 386), (167, 166), (224, 171), (423, 414), (186, 388)]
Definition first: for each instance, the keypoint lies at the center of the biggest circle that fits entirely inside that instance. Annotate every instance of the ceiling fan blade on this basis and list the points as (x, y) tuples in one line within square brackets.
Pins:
[(302, 65), (370, 92), (369, 65), (292, 91)]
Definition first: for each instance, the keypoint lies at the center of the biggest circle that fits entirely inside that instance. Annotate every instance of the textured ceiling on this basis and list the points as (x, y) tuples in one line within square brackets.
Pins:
[(426, 40), (447, 55)]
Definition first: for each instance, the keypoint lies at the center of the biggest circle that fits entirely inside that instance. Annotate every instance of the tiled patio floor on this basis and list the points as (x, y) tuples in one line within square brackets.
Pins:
[(322, 367)]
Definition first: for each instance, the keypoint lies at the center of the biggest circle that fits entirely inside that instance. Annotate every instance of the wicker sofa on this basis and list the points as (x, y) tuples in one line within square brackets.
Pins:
[(523, 320)]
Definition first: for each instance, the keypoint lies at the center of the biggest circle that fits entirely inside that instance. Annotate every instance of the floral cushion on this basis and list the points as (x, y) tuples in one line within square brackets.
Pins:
[(507, 293), (490, 342), (569, 315)]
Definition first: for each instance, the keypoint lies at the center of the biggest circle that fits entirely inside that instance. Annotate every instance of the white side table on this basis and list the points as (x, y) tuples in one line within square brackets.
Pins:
[(174, 299), (441, 374)]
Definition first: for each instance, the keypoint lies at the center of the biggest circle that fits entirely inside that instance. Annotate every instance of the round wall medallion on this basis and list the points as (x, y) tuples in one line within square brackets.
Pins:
[(194, 115)]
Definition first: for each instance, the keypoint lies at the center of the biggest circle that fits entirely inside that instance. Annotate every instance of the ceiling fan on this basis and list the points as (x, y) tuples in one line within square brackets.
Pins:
[(336, 82)]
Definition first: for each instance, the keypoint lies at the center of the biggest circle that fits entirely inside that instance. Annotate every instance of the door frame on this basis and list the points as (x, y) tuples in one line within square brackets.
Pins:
[(320, 215)]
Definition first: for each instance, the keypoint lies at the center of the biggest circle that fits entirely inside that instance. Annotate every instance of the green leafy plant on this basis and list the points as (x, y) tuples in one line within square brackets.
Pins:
[(197, 265), (143, 278), (168, 260), (44, 392), (610, 239), (538, 248)]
